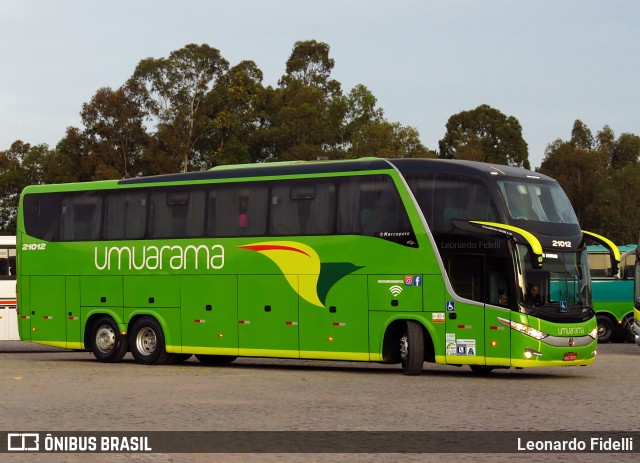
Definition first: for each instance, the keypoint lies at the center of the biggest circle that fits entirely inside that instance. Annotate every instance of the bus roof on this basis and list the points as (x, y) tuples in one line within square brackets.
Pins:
[(272, 169)]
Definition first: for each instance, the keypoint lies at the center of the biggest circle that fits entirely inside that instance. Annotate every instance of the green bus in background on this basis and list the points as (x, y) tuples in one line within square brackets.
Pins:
[(394, 261), (613, 292)]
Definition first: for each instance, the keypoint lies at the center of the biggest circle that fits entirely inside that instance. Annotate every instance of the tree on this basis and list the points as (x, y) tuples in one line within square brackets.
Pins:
[(309, 109), (115, 133), (173, 91), (579, 172), (22, 165), (235, 114), (581, 136), (626, 151), (487, 135), (388, 140), (615, 210), (605, 141), (309, 65)]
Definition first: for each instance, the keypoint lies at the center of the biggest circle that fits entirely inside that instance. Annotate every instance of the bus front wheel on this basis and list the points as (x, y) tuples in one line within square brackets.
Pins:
[(147, 343), (412, 349), (605, 328), (106, 342)]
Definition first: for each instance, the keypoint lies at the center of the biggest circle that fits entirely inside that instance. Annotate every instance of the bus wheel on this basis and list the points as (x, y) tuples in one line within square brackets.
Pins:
[(146, 342), (215, 359), (605, 328), (106, 342), (626, 329), (481, 369), (412, 349)]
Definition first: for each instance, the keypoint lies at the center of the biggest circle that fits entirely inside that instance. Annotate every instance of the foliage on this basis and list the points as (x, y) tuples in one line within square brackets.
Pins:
[(487, 135), (600, 178)]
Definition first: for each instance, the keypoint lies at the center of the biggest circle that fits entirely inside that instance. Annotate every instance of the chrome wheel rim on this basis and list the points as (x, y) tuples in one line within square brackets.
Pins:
[(105, 339), (146, 341)]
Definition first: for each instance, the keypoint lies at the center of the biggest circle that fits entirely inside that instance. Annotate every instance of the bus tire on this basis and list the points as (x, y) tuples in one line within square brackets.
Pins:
[(626, 329), (412, 349), (215, 359), (606, 328), (147, 344), (106, 342)]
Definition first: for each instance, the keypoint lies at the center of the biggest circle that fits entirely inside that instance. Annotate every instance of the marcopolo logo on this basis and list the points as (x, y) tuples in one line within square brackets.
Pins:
[(159, 257)]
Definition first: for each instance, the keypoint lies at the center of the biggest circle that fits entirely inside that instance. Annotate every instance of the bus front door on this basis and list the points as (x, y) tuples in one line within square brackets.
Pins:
[(474, 333)]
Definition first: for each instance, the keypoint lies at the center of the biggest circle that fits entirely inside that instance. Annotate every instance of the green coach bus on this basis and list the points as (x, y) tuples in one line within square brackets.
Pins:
[(612, 292), (395, 261)]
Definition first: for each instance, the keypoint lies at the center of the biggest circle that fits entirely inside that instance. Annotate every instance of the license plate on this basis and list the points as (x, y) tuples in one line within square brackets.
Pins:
[(570, 356)]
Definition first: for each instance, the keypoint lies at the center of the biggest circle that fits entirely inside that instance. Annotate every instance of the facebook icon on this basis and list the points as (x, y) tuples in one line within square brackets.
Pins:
[(417, 280)]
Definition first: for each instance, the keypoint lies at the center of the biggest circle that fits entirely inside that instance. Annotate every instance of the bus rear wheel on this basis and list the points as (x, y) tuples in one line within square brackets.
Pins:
[(605, 328), (215, 359), (626, 329), (147, 343), (412, 349), (106, 342)]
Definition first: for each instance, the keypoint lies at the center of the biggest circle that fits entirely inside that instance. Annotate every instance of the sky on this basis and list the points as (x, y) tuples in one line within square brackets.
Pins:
[(545, 62)]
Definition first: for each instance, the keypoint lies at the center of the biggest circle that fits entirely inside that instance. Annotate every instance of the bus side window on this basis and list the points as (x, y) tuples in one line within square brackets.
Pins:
[(42, 214), (177, 213), (237, 211), (371, 206), (125, 215), (4, 263), (81, 216), (301, 208)]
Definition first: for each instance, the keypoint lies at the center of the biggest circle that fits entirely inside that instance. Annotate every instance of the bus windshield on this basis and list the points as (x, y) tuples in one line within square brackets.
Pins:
[(541, 202), (561, 289)]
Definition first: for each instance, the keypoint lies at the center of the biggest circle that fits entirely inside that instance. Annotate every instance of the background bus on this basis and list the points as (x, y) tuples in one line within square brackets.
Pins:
[(613, 294), (8, 318), (394, 261)]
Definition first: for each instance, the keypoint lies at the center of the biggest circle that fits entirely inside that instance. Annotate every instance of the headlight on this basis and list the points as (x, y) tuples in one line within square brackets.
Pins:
[(526, 329), (594, 333)]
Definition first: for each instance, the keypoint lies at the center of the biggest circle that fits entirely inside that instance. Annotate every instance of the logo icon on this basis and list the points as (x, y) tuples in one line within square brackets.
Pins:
[(571, 342), (417, 280), (395, 290), (408, 281), (23, 442)]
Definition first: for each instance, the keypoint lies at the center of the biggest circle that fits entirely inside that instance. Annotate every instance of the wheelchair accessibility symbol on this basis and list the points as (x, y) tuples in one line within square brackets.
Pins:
[(451, 306)]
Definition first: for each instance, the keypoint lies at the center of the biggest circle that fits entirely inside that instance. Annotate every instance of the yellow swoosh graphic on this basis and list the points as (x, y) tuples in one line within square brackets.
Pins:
[(294, 259)]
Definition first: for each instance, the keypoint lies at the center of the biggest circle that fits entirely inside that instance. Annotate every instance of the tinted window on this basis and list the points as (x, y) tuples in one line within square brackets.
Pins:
[(371, 206), (81, 216), (176, 213), (125, 215), (237, 211), (445, 197), (303, 208), (8, 263), (42, 215)]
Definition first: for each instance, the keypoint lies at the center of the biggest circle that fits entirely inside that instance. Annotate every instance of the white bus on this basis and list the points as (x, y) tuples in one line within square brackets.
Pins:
[(8, 314)]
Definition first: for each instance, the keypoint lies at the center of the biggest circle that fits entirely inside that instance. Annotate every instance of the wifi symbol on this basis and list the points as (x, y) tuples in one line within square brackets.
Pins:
[(395, 290)]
